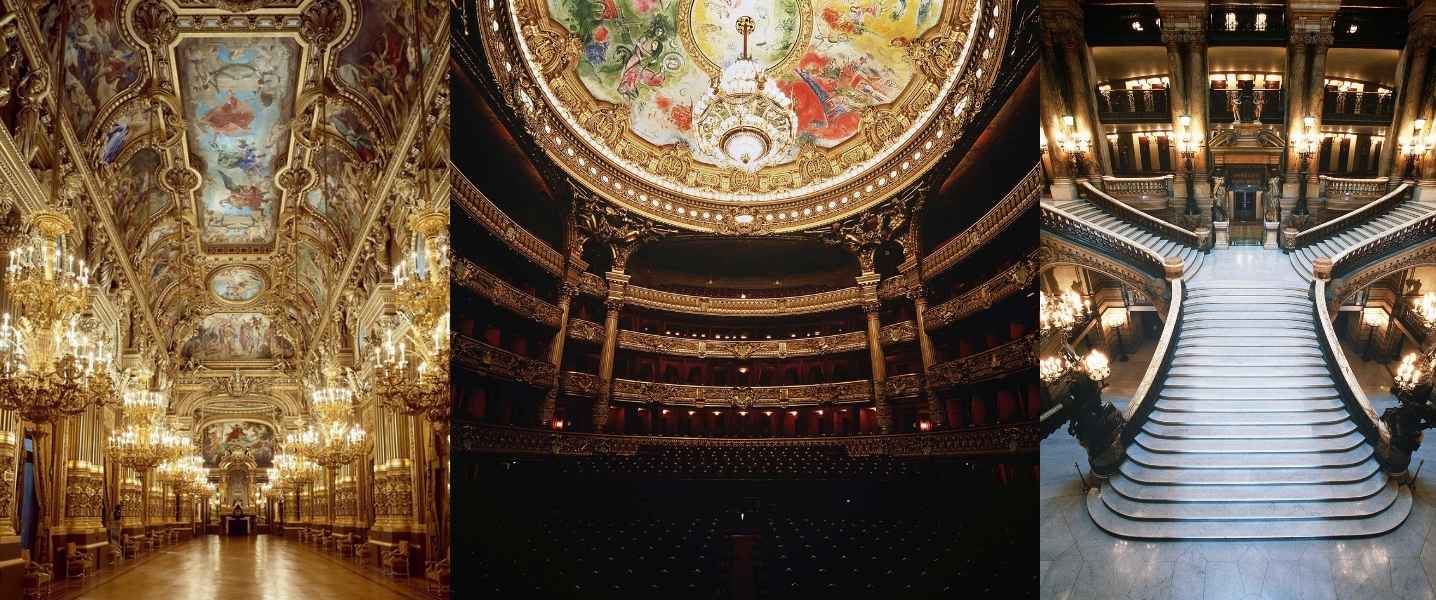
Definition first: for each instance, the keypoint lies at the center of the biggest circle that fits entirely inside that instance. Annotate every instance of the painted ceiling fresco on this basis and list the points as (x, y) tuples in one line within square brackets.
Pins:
[(237, 336), (238, 99), (222, 437), (98, 62), (237, 283), (834, 58)]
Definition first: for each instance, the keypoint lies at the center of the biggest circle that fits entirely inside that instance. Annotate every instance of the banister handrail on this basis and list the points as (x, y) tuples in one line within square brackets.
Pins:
[(1146, 392), (1141, 219), (1347, 386), (1319, 232), (1102, 239), (1416, 230)]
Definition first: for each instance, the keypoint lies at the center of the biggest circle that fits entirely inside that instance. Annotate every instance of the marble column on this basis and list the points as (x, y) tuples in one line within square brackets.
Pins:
[(1315, 95), (1411, 91), (1196, 78), (1296, 93), (617, 289)]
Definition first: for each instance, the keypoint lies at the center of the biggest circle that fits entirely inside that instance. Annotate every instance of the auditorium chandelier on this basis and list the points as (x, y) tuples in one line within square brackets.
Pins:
[(744, 121), (1058, 314), (50, 367)]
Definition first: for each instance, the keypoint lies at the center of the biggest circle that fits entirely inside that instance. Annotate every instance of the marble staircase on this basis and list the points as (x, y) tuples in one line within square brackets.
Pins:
[(1096, 215), (1248, 437), (1334, 244)]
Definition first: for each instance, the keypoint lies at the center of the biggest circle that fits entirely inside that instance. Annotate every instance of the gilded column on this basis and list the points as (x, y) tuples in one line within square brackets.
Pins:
[(918, 294), (617, 287), (566, 293), (395, 472), (868, 282)]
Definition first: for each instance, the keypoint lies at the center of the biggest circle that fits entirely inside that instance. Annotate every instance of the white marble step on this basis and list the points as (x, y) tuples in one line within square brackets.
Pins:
[(1374, 524), (1245, 371), (1353, 456), (1251, 394), (1230, 477), (1223, 360), (1296, 492), (1238, 352), (1248, 418), (1248, 432), (1237, 340), (1250, 511), (1258, 406), (1248, 446), (1246, 324), (1227, 383), (1246, 306)]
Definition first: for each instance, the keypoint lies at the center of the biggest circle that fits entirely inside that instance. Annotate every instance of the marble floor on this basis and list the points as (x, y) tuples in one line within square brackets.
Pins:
[(1079, 561), (256, 568)]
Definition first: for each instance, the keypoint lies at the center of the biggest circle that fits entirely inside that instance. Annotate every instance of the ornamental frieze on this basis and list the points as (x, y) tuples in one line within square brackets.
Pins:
[(1012, 280), (470, 275), (588, 331), (907, 385), (497, 362), (1011, 357), (84, 495), (847, 392)]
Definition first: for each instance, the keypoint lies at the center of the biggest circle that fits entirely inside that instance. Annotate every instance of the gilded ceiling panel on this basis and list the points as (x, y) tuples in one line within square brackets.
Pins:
[(98, 62)]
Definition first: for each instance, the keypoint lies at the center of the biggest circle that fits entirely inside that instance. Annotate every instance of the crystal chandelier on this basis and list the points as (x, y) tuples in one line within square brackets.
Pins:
[(145, 441), (414, 385), (1425, 307), (293, 470), (340, 443), (1059, 314), (744, 121), (333, 399), (421, 279)]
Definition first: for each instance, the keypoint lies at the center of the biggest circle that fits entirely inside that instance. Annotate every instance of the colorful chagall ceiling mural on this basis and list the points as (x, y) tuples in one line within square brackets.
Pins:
[(223, 437), (238, 96), (237, 336), (834, 58)]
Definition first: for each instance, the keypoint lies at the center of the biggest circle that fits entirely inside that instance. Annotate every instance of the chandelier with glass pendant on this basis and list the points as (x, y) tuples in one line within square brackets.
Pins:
[(145, 441), (414, 379), (50, 367), (336, 440), (744, 121), (294, 470)]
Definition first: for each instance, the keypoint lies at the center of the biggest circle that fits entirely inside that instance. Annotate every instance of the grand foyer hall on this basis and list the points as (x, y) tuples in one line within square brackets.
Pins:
[(224, 347)]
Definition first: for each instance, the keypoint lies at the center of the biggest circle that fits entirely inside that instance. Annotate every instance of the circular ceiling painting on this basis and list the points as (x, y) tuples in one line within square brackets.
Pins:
[(715, 114), (237, 283)]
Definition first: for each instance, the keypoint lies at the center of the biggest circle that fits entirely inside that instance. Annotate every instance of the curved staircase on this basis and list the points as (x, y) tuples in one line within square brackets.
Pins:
[(1331, 245), (1096, 215), (1248, 437)]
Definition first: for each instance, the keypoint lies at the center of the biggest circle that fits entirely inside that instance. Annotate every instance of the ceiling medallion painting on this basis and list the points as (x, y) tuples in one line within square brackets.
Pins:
[(238, 100), (238, 283), (236, 336), (735, 115)]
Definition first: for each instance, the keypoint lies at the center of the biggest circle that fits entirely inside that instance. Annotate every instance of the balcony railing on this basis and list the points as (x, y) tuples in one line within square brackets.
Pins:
[(1134, 106), (470, 438), (1363, 108)]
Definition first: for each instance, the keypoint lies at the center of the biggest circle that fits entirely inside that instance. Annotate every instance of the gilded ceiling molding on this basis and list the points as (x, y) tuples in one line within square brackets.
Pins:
[(476, 356), (474, 438), (1020, 276), (1012, 357), (862, 234), (622, 231), (533, 63), (429, 112)]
